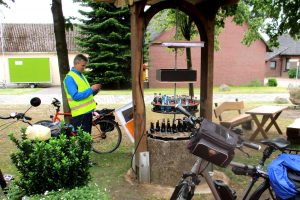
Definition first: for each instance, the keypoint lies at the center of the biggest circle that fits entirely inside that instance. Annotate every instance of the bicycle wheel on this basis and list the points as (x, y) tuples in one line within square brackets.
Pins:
[(106, 136), (182, 192), (263, 192), (44, 122), (2, 181)]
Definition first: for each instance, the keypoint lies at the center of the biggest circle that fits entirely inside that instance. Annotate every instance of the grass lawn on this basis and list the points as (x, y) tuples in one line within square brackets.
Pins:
[(109, 170)]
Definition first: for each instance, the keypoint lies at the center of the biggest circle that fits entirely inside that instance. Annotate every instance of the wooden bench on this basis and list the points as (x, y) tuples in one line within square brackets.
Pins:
[(238, 106), (293, 132)]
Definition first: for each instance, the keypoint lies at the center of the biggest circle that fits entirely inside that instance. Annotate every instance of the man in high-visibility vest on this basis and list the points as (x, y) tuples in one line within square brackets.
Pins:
[(80, 95)]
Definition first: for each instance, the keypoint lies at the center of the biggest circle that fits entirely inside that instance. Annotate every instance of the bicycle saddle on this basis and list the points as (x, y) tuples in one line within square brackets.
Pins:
[(279, 143)]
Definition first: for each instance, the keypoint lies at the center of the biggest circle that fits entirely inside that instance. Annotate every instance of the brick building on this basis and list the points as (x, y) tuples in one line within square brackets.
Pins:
[(234, 63), (283, 58)]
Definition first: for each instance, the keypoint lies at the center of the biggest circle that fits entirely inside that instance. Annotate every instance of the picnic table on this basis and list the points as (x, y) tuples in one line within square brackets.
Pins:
[(267, 112)]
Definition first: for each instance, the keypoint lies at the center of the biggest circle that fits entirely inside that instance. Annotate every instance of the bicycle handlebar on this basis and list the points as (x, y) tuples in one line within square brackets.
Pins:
[(18, 116), (251, 145), (191, 119)]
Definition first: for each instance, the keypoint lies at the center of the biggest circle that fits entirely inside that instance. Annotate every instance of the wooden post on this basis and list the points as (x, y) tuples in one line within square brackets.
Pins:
[(207, 69), (139, 116)]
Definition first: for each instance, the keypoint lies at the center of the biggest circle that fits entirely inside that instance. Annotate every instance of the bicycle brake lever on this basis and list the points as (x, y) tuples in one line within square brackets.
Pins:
[(242, 150)]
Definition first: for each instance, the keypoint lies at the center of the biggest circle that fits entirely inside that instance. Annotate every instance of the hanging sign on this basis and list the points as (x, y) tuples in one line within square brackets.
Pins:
[(125, 115)]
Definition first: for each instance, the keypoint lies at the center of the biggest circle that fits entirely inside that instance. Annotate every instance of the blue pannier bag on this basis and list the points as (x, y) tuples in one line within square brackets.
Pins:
[(283, 174)]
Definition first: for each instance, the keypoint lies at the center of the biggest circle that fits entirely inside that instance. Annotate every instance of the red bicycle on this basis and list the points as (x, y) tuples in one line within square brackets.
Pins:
[(106, 132)]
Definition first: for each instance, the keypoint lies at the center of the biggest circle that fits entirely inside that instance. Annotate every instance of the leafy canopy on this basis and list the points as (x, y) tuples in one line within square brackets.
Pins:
[(270, 17)]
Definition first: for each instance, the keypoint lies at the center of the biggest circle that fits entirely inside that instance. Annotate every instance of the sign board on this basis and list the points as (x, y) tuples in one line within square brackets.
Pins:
[(125, 115)]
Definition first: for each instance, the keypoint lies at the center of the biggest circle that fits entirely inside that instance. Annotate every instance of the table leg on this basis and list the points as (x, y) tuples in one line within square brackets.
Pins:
[(260, 126), (273, 122)]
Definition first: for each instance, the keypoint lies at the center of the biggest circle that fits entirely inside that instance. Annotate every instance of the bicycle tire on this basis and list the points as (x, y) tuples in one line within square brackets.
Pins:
[(107, 136), (44, 122), (263, 192), (3, 183), (183, 193)]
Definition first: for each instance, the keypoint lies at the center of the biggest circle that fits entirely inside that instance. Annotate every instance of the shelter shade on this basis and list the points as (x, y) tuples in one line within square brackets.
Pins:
[(120, 3)]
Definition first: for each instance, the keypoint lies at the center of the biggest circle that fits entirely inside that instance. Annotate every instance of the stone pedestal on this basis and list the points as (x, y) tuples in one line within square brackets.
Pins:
[(168, 160)]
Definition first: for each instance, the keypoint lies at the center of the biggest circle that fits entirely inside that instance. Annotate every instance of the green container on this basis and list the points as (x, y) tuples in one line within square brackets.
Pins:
[(29, 70)]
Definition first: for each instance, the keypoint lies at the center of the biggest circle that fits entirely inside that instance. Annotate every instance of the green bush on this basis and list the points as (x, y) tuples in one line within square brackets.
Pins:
[(51, 165), (272, 82), (292, 73)]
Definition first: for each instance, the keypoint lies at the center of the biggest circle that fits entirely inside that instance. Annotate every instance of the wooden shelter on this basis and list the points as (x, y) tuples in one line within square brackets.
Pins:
[(203, 13)]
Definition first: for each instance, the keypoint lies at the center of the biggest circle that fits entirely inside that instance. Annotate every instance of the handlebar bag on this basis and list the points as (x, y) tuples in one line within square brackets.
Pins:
[(214, 143)]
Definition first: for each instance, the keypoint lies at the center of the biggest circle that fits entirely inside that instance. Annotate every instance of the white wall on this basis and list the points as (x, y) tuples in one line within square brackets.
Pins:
[(4, 68)]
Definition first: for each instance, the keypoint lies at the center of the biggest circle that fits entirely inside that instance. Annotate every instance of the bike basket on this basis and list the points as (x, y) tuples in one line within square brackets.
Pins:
[(213, 143)]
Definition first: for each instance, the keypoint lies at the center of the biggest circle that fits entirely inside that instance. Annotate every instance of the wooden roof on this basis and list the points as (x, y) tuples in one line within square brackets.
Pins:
[(120, 3)]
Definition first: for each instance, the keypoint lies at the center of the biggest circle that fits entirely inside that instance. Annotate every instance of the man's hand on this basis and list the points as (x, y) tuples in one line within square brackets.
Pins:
[(96, 87)]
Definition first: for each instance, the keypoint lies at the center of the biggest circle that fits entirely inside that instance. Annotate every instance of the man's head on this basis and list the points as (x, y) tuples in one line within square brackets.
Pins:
[(80, 62)]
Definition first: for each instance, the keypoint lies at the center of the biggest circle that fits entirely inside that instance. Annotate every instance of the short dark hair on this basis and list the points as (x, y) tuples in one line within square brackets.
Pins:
[(80, 57)]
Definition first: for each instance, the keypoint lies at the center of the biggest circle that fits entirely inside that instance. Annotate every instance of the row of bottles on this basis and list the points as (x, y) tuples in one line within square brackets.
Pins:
[(167, 128), (172, 100), (165, 103)]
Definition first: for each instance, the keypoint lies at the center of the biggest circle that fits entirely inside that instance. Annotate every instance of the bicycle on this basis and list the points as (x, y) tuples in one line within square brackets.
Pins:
[(107, 135), (184, 190), (19, 117)]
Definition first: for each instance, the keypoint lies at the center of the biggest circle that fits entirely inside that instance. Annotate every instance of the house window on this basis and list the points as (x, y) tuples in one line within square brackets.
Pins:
[(287, 64), (273, 65)]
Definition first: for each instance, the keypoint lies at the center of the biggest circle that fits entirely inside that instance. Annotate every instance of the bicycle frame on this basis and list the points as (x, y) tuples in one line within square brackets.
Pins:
[(56, 118)]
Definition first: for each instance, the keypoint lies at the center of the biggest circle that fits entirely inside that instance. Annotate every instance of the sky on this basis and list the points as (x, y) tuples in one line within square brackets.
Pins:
[(35, 11)]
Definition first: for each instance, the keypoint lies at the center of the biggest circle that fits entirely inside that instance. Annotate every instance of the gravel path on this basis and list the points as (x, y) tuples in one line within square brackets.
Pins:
[(47, 94)]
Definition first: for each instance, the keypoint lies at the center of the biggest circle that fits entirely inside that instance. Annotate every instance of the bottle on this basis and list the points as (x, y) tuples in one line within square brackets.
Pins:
[(185, 125), (159, 98), (163, 126), (179, 126), (155, 98), (174, 128), (157, 127), (152, 127), (168, 126)]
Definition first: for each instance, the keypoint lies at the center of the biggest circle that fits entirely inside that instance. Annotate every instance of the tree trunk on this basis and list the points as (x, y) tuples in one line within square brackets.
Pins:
[(61, 48), (189, 67)]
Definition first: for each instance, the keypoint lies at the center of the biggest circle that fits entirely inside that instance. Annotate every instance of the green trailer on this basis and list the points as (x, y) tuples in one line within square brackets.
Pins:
[(30, 71)]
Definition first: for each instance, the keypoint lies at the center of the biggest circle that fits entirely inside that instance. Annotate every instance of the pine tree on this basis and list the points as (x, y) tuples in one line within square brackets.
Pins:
[(105, 37)]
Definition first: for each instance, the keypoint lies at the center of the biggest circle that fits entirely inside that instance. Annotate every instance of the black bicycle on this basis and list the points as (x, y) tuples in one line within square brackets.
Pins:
[(186, 186)]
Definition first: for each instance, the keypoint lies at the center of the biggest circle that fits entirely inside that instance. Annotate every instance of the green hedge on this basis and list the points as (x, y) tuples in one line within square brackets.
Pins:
[(51, 165)]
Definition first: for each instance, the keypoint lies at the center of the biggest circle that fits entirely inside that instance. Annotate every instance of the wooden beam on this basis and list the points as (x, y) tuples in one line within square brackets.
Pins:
[(207, 69), (139, 113)]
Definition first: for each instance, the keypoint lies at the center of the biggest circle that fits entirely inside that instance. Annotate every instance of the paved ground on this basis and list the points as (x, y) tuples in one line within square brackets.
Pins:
[(47, 94)]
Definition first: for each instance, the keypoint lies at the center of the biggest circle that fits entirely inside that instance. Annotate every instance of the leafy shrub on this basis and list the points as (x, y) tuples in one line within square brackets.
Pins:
[(272, 82), (51, 165), (292, 73), (255, 83), (78, 193)]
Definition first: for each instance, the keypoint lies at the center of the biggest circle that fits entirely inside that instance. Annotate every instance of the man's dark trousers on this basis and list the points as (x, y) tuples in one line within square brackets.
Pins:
[(84, 120)]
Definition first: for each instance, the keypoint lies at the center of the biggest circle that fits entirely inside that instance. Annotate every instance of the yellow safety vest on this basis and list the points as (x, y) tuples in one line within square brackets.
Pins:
[(82, 106)]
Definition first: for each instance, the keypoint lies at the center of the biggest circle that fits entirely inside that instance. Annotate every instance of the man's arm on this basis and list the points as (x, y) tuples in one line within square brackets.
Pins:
[(73, 90)]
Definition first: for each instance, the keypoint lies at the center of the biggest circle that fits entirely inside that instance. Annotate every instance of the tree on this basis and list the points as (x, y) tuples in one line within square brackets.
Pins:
[(105, 37), (4, 2), (271, 17), (61, 47)]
